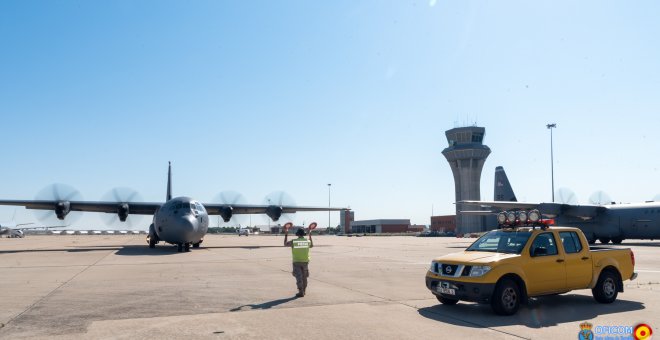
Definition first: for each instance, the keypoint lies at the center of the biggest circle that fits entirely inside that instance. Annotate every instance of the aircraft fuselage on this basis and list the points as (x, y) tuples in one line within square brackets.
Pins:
[(181, 220), (620, 222)]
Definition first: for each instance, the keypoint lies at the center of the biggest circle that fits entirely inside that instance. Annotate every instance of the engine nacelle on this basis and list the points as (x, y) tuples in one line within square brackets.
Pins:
[(62, 208), (274, 212), (122, 212), (226, 212)]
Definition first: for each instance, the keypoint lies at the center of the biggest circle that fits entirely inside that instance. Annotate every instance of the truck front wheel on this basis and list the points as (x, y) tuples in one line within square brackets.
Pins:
[(446, 301), (606, 289), (506, 298)]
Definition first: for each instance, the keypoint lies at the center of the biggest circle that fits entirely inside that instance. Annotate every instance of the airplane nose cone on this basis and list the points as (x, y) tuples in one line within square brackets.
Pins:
[(186, 229)]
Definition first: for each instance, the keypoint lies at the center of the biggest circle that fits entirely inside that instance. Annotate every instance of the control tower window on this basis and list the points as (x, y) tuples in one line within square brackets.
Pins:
[(477, 138), (452, 142)]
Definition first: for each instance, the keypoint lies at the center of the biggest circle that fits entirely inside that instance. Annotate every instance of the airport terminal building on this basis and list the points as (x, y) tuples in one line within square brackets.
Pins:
[(381, 226), (443, 224)]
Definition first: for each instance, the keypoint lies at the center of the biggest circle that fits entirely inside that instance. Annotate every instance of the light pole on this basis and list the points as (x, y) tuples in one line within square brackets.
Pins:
[(552, 169), (329, 185)]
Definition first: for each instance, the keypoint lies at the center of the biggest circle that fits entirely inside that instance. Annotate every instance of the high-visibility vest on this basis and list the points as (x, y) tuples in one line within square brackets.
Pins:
[(300, 250)]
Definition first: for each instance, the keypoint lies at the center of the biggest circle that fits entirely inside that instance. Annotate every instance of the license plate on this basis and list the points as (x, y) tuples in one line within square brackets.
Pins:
[(448, 291)]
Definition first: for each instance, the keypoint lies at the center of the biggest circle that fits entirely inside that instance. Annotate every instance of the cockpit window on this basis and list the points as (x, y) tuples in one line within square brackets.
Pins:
[(185, 206)]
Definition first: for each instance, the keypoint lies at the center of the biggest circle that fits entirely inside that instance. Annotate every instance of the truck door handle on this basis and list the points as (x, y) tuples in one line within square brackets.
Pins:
[(585, 258), (560, 260)]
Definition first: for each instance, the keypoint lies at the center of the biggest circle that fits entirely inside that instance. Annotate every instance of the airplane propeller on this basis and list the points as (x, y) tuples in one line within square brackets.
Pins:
[(566, 196), (277, 199), (122, 195), (600, 198), (62, 193), (230, 197)]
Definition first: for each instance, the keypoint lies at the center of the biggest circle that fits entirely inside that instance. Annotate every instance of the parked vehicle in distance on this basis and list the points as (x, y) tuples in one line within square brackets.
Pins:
[(505, 267), (243, 231)]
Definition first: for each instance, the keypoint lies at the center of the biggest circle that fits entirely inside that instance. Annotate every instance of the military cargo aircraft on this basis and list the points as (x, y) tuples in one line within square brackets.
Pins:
[(182, 221), (12, 230), (604, 221)]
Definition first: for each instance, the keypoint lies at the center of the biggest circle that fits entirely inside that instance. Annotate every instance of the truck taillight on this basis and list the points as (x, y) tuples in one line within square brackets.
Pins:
[(632, 257)]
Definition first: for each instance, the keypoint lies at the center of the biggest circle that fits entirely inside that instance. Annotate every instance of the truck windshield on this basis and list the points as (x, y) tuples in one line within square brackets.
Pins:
[(498, 241)]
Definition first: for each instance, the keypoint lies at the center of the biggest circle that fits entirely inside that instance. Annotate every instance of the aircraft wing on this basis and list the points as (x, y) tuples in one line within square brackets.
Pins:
[(501, 205), (140, 208), (217, 209), (585, 212)]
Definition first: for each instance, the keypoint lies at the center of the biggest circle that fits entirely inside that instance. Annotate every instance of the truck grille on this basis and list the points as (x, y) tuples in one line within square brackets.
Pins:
[(449, 269)]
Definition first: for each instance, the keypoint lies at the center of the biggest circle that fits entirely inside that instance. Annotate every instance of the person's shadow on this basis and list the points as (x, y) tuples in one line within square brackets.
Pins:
[(265, 305)]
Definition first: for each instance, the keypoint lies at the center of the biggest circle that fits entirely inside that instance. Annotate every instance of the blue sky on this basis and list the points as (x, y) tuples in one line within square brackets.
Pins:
[(291, 95)]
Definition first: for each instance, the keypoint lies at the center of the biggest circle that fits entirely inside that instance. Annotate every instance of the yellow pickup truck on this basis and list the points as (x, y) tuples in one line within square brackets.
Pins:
[(507, 266)]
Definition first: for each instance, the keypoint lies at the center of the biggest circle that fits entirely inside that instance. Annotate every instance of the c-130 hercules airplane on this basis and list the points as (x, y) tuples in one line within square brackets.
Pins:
[(181, 220), (605, 221)]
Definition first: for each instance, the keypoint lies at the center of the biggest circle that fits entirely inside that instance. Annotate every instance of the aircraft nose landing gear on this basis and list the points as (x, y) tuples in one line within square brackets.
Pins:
[(183, 247)]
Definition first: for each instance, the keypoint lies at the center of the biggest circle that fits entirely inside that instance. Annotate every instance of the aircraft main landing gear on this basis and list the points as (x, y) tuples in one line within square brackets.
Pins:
[(179, 247), (152, 241), (187, 247)]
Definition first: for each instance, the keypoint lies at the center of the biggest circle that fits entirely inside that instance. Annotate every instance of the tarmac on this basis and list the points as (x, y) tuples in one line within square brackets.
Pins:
[(115, 287)]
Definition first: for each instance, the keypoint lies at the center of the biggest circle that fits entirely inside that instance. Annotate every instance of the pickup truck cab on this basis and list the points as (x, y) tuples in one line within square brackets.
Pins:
[(507, 266)]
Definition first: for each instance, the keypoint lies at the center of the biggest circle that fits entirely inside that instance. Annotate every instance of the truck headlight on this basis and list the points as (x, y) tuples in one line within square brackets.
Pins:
[(479, 270), (433, 267)]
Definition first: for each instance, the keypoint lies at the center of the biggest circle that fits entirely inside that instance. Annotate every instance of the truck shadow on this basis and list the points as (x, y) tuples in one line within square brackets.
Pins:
[(541, 312), (637, 243)]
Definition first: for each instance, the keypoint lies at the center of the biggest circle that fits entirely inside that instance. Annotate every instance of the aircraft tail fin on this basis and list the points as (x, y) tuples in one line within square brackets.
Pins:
[(169, 181), (503, 190)]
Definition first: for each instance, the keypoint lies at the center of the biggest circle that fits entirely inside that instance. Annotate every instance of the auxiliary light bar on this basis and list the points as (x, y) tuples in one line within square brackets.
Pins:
[(521, 217)]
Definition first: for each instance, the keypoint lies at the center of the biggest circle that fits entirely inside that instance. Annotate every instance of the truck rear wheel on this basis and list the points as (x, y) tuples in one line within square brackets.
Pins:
[(446, 301), (506, 298), (606, 289)]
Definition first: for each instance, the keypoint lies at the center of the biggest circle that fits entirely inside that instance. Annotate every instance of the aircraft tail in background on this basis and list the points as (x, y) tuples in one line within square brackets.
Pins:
[(503, 190)]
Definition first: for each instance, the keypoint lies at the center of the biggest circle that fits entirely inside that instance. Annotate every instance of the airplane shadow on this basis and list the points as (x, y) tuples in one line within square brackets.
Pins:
[(265, 305), (75, 250), (138, 250), (130, 250), (541, 312)]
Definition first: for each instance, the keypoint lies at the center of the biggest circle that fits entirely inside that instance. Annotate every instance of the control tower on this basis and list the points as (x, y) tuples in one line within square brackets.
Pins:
[(466, 155)]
